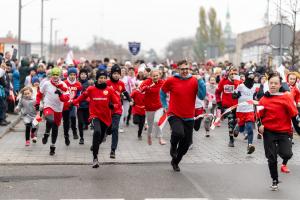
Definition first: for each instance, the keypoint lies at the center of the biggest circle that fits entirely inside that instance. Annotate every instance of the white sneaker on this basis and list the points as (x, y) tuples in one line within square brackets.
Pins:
[(121, 130)]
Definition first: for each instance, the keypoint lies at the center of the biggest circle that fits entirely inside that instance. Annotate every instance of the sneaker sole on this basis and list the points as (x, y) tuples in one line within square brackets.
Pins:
[(251, 150)]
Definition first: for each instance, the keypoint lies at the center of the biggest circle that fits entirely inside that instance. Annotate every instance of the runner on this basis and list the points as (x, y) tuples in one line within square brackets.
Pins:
[(275, 125), (54, 93), (102, 101), (183, 89), (224, 99)]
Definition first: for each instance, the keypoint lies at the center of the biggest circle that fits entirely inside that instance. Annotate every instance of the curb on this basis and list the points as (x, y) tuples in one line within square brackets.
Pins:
[(83, 163), (8, 128)]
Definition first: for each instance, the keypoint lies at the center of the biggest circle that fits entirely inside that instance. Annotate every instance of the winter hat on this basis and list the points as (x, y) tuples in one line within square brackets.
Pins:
[(115, 68), (34, 80), (101, 73), (72, 70), (55, 71)]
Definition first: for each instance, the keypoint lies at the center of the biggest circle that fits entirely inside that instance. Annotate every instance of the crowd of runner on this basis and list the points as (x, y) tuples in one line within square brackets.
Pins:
[(107, 95)]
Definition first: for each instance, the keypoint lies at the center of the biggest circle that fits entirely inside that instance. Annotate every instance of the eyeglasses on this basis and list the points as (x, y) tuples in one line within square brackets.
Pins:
[(182, 69)]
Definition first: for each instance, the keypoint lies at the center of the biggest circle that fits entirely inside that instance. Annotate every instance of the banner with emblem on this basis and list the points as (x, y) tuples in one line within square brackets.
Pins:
[(134, 47)]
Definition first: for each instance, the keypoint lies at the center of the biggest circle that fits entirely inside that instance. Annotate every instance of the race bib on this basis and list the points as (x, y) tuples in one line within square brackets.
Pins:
[(228, 88)]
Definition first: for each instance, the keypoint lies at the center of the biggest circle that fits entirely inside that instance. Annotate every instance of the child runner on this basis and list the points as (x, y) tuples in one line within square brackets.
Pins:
[(138, 110), (27, 106)]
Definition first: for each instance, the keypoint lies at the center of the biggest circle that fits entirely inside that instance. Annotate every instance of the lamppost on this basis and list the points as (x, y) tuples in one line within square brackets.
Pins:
[(51, 41), (19, 29)]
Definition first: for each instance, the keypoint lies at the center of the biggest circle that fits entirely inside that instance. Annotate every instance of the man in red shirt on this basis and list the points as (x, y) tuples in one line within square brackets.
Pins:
[(224, 99), (183, 89), (69, 112), (119, 87)]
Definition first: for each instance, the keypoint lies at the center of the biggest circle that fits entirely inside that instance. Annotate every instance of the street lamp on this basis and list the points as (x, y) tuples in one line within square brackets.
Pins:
[(19, 29), (51, 41), (42, 28)]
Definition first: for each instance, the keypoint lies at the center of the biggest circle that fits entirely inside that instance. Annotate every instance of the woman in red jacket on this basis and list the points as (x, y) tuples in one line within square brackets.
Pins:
[(153, 106), (275, 125), (102, 100)]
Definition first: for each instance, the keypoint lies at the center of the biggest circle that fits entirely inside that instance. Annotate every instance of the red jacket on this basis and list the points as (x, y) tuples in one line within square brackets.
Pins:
[(277, 113), (99, 103), (183, 94), (74, 90), (139, 102), (152, 98), (295, 93), (224, 92), (119, 88)]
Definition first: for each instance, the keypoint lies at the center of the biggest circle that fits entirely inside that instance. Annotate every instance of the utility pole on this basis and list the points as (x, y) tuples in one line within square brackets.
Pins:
[(42, 28), (19, 29), (51, 41)]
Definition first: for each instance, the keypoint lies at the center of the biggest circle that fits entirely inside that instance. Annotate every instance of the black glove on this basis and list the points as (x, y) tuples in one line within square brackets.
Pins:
[(71, 104), (236, 95), (219, 105), (37, 107), (58, 92), (111, 105)]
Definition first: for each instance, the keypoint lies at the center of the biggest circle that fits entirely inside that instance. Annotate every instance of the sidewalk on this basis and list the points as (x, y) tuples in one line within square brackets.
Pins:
[(14, 119), (130, 150)]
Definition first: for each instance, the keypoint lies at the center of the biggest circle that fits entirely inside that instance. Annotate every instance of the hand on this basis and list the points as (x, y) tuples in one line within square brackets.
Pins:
[(261, 129), (71, 104), (165, 110), (37, 107), (111, 105), (17, 110), (219, 105), (58, 92), (131, 103)]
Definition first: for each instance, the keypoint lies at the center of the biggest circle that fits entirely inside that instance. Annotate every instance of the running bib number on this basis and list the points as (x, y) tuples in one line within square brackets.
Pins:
[(228, 88)]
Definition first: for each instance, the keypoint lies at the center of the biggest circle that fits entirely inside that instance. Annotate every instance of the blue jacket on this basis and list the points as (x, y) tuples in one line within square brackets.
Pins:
[(85, 85), (16, 80)]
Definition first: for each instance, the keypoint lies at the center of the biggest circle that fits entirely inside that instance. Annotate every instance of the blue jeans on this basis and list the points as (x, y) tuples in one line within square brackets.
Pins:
[(115, 131), (249, 129)]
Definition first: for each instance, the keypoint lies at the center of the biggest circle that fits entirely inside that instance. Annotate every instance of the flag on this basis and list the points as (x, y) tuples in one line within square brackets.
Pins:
[(162, 121), (70, 58)]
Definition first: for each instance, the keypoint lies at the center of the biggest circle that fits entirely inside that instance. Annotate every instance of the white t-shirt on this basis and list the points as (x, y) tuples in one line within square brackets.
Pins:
[(246, 95), (51, 100), (199, 103)]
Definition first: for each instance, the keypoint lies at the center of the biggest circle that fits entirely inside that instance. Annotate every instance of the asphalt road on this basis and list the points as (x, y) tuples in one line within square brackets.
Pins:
[(146, 181)]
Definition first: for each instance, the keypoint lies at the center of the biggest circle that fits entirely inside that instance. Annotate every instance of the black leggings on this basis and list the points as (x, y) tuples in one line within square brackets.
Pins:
[(83, 119), (50, 125), (277, 144), (181, 136), (66, 123), (99, 133), (140, 121), (29, 130)]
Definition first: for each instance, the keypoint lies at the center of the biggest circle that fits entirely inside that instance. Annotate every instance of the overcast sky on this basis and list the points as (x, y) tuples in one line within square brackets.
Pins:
[(152, 22)]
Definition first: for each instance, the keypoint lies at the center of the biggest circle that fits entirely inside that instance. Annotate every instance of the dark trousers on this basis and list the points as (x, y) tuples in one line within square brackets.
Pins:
[(140, 121), (277, 143), (29, 130), (197, 124), (99, 134), (129, 115), (115, 131), (83, 119), (181, 136), (2, 108), (66, 123), (50, 125)]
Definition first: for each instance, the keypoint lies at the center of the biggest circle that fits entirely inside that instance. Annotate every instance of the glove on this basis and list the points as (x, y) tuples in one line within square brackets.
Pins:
[(37, 107), (71, 104), (219, 106), (111, 105), (58, 92), (236, 95)]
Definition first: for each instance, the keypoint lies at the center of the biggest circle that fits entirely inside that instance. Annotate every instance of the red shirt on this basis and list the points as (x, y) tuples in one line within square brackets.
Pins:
[(152, 98), (224, 92), (182, 96), (99, 103), (119, 88), (74, 90), (139, 103), (277, 113)]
